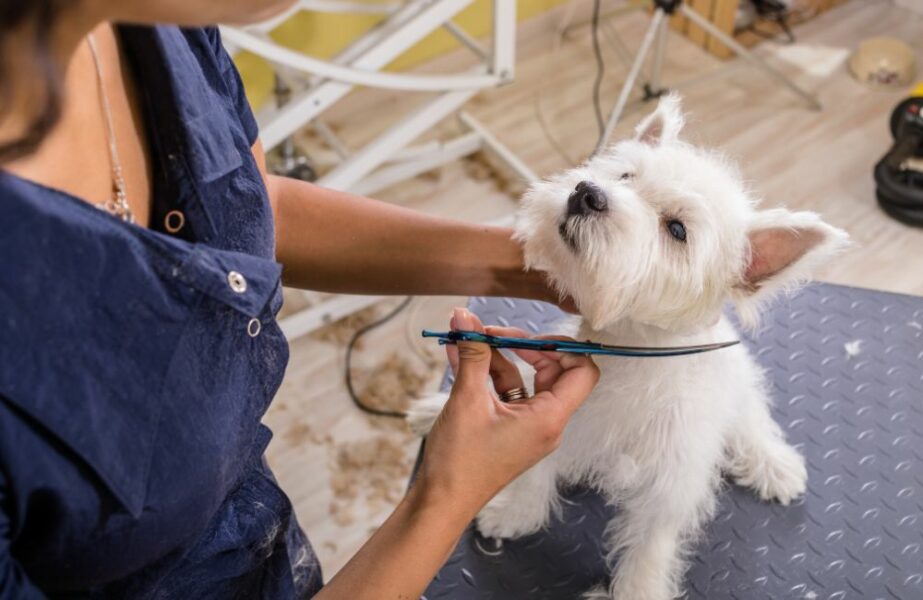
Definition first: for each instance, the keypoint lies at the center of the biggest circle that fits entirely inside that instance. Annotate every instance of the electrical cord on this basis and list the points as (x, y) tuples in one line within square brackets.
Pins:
[(348, 377), (563, 27)]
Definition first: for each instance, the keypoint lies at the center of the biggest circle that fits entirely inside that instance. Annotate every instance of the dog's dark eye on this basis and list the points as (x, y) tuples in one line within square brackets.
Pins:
[(677, 230), (626, 176)]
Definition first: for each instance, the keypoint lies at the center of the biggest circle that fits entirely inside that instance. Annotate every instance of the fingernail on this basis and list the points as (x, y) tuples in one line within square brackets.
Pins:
[(462, 319), (452, 324)]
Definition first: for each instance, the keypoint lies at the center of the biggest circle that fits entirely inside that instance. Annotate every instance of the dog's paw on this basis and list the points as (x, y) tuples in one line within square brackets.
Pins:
[(641, 588), (422, 413), (509, 521), (780, 475)]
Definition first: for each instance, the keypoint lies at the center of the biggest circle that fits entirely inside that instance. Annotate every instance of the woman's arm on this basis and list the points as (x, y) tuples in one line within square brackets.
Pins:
[(477, 445), (404, 554), (337, 242)]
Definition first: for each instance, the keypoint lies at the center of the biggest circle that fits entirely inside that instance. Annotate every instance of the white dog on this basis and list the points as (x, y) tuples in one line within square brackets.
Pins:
[(651, 240)]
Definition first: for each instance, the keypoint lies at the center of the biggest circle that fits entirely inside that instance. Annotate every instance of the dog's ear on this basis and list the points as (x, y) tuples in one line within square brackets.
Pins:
[(785, 248), (664, 124)]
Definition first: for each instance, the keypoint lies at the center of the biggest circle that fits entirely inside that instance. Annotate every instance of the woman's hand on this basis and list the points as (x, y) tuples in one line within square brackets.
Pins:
[(479, 444)]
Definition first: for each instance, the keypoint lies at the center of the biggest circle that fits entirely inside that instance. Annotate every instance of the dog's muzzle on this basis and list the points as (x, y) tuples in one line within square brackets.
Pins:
[(586, 200)]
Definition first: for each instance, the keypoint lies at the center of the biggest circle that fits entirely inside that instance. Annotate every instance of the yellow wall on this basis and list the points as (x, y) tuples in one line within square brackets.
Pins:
[(323, 35)]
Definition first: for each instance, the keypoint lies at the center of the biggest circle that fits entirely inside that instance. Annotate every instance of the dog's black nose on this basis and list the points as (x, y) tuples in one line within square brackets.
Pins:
[(586, 198)]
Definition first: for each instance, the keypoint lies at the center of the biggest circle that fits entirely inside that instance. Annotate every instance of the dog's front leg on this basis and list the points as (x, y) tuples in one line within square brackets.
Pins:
[(647, 537), (758, 457), (522, 507)]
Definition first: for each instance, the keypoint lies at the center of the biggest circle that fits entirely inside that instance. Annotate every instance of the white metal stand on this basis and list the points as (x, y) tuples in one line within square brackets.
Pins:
[(389, 158), (657, 34)]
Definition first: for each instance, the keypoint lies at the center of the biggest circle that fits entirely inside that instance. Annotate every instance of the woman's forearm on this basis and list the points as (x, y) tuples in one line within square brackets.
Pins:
[(336, 242), (404, 554)]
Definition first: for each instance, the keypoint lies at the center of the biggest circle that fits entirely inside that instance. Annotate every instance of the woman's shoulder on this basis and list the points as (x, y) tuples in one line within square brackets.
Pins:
[(201, 44), (197, 56), (206, 45)]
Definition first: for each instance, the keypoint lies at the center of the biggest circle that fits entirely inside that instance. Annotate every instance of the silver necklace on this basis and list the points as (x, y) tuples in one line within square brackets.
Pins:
[(117, 205)]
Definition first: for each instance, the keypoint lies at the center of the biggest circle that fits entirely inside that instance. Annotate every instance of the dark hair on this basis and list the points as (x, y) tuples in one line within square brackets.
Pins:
[(35, 17)]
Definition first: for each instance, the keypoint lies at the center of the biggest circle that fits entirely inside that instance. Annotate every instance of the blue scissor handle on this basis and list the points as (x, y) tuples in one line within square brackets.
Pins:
[(574, 347)]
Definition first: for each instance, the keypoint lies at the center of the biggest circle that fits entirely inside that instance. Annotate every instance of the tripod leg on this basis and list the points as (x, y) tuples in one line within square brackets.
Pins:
[(745, 53), (623, 53), (653, 89), (630, 81)]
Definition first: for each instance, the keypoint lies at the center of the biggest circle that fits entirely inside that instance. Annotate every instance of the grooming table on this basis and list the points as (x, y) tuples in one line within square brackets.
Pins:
[(856, 415)]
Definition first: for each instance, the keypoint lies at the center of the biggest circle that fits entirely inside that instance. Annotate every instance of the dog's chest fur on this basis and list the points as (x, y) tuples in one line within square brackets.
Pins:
[(649, 416)]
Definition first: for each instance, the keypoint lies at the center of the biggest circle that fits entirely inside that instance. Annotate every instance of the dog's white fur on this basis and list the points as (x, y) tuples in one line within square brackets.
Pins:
[(656, 434)]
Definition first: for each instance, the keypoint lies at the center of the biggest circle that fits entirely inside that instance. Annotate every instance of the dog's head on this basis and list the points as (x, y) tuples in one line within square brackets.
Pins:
[(664, 233)]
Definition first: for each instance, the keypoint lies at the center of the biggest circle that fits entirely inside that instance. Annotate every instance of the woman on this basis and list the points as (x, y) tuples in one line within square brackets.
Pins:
[(139, 348)]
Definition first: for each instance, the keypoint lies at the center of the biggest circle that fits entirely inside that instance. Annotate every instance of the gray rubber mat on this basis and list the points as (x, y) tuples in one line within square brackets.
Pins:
[(857, 417)]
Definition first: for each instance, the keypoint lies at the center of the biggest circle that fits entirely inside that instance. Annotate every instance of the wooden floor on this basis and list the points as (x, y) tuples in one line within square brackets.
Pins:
[(790, 155)]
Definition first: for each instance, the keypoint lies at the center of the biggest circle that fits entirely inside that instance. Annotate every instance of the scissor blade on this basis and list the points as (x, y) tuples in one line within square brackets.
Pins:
[(574, 347), (655, 351)]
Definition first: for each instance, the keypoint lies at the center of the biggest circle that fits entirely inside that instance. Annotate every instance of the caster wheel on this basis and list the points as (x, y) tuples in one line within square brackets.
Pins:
[(295, 167)]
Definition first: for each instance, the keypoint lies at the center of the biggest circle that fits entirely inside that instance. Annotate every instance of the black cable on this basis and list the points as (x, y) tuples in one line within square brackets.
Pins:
[(600, 69), (349, 356)]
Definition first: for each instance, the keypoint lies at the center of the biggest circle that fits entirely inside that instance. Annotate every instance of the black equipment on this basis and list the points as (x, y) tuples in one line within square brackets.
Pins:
[(899, 175)]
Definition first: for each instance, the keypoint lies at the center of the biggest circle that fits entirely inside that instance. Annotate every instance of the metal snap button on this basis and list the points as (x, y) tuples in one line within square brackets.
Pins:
[(237, 282), (254, 327), (174, 221)]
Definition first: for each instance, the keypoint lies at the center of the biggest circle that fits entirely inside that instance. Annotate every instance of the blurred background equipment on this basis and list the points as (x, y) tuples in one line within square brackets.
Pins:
[(752, 13), (899, 175), (285, 159)]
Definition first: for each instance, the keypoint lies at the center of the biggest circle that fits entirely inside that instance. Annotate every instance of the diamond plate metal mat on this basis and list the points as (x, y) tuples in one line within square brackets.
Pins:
[(854, 410)]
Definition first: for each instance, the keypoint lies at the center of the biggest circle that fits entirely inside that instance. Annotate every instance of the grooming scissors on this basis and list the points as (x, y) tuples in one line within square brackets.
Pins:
[(497, 341)]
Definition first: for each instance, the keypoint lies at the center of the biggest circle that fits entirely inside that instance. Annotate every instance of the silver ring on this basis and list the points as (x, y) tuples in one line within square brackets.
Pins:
[(254, 327), (514, 394), (173, 221)]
